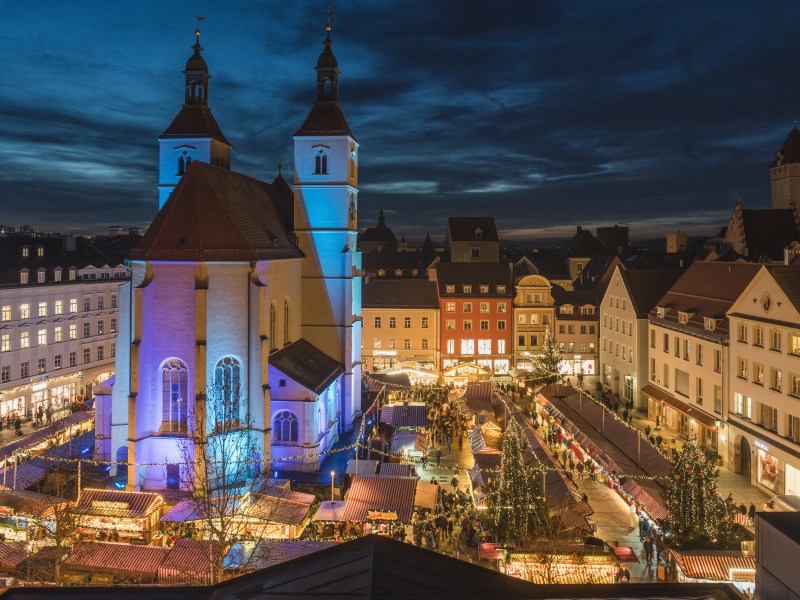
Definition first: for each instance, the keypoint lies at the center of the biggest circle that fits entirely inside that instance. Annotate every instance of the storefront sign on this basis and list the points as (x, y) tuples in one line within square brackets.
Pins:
[(381, 515), (38, 387), (109, 505), (42, 377), (385, 352), (761, 445)]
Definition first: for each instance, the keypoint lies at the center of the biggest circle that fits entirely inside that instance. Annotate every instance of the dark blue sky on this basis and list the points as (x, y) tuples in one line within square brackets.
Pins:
[(657, 115)]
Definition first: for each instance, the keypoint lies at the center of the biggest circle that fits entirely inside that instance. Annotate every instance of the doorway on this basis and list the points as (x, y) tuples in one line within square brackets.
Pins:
[(744, 451)]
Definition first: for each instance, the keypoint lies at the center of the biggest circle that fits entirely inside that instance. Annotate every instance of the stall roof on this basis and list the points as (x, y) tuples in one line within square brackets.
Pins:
[(189, 561), (395, 469), (425, 496), (44, 433), (380, 493), (716, 565), (28, 473), (267, 553), (365, 467), (12, 554), (113, 503), (108, 557), (30, 504), (277, 510), (330, 511), (412, 414)]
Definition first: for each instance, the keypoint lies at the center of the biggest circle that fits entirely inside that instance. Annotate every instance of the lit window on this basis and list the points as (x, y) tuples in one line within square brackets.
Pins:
[(424, 343), (42, 337), (40, 276), (467, 289), (285, 427), (24, 340), (73, 305), (467, 346), (6, 313), (501, 307), (58, 307), (467, 307), (484, 346), (73, 332), (451, 307), (42, 309), (174, 395), (39, 251), (24, 311), (450, 289), (377, 322), (227, 392), (424, 322), (407, 344), (26, 252), (484, 289), (484, 307), (57, 334), (5, 343)]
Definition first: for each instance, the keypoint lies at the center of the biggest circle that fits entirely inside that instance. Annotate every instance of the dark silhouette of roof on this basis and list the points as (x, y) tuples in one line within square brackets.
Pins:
[(474, 274), (788, 278), (648, 286), (551, 265), (788, 523), (397, 293), (768, 231), (325, 118), (428, 251), (379, 234), (54, 255), (194, 121), (217, 214), (790, 151), (575, 298), (307, 365), (463, 229), (584, 244)]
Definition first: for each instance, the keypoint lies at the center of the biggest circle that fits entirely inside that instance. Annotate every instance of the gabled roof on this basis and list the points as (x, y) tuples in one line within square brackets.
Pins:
[(400, 293), (379, 493), (194, 121), (474, 274), (551, 264), (768, 231), (325, 118), (790, 151), (583, 244), (217, 214), (648, 286), (307, 365), (463, 229), (117, 503), (788, 278)]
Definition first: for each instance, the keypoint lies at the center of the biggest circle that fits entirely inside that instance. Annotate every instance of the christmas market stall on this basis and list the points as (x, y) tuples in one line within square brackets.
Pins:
[(713, 566), (247, 556), (12, 555), (107, 562), (190, 562), (562, 562), (118, 515), (28, 512)]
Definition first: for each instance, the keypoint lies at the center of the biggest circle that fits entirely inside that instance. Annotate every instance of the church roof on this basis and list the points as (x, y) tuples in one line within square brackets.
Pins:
[(325, 118), (217, 214), (767, 231), (464, 229), (195, 120), (790, 151), (584, 244), (307, 365)]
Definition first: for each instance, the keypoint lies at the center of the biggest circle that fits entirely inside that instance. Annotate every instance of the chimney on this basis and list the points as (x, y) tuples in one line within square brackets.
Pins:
[(115, 230)]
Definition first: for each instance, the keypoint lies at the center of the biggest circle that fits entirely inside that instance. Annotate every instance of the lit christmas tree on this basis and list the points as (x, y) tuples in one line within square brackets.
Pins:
[(700, 517), (512, 503), (545, 366)]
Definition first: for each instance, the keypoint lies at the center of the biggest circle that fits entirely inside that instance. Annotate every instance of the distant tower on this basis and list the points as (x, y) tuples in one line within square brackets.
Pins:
[(326, 224), (785, 172), (193, 133)]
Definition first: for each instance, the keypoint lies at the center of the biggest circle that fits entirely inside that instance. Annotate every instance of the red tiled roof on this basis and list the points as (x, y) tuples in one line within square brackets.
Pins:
[(395, 469), (325, 118), (720, 565), (30, 504), (380, 493), (195, 120), (189, 561), (139, 504), (108, 557), (12, 554)]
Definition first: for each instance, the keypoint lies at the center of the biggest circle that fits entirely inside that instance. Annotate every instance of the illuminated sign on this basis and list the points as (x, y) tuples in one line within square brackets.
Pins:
[(111, 506), (381, 515), (38, 387), (385, 352), (42, 377), (761, 445)]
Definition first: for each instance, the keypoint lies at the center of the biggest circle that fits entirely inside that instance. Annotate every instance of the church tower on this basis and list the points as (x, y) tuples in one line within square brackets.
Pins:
[(785, 172), (326, 225), (193, 133)]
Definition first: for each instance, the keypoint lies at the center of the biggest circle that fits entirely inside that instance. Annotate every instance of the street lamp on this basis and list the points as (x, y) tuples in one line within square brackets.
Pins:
[(333, 474)]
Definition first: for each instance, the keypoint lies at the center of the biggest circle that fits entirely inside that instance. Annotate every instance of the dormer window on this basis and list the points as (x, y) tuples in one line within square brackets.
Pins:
[(39, 251), (450, 289), (57, 274), (73, 273), (709, 323), (23, 276), (587, 310), (683, 317), (40, 276), (321, 163), (479, 233), (566, 310), (467, 289), (381, 272), (501, 289), (661, 312), (26, 252), (484, 289)]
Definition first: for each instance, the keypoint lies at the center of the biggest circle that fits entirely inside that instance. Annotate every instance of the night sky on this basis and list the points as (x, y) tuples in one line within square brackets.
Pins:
[(546, 115)]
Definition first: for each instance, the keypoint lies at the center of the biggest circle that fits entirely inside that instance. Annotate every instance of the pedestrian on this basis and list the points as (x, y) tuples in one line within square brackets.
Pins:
[(659, 439), (647, 430), (438, 457), (742, 509), (626, 575), (648, 551), (625, 415), (449, 442), (460, 441), (619, 574), (751, 514), (652, 440), (424, 462), (454, 483), (580, 470), (658, 422)]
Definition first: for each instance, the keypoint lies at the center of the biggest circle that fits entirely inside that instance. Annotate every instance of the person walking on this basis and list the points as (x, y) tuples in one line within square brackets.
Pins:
[(449, 442), (648, 551), (454, 483), (647, 430), (580, 470), (438, 457), (659, 439), (751, 514), (460, 441)]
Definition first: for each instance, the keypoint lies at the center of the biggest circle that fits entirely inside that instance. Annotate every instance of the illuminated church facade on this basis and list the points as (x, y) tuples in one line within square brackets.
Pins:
[(243, 314)]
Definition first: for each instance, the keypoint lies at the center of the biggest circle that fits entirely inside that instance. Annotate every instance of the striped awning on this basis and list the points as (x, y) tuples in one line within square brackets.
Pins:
[(189, 562), (395, 469), (117, 503), (108, 557), (644, 499), (481, 390), (378, 493), (719, 565)]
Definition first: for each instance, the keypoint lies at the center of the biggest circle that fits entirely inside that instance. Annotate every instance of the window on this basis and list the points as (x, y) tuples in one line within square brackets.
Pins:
[(776, 379), (467, 289), (521, 318), (286, 325), (73, 359), (42, 309), (501, 325), (6, 374), (42, 337), (686, 348), (23, 277), (742, 329), (450, 307), (545, 319), (87, 304), (484, 325), (24, 340), (666, 375), (794, 383), (450, 289), (794, 344), (450, 324), (758, 373), (534, 340), (484, 289), (23, 369), (73, 332), (101, 353), (501, 346), (718, 399), (699, 390), (24, 311), (101, 303), (5, 343), (717, 361), (227, 392), (285, 427), (741, 368), (743, 405), (484, 307), (562, 329), (424, 322), (73, 305), (6, 312), (709, 323), (101, 327), (501, 289), (392, 322), (407, 344), (700, 354), (407, 322), (451, 346), (73, 272), (587, 310), (467, 325), (652, 369), (113, 325), (793, 428), (484, 346), (377, 322), (520, 340), (57, 361), (113, 349), (677, 346), (321, 163), (475, 252), (113, 301), (666, 342), (769, 417), (467, 346), (775, 340), (758, 336), (41, 365), (570, 329), (583, 329), (87, 355), (377, 343), (424, 343), (392, 343), (652, 338), (467, 307), (87, 329)]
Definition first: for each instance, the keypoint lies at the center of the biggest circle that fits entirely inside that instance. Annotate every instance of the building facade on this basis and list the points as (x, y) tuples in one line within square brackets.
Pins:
[(764, 381), (576, 331), (401, 324), (534, 314)]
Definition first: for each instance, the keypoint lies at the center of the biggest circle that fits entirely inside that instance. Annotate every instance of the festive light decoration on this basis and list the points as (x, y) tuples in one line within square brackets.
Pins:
[(545, 365)]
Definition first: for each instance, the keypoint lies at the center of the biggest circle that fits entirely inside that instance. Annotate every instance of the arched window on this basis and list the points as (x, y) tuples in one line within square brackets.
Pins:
[(286, 339), (188, 161), (284, 427), (273, 327), (174, 394), (181, 165), (321, 163), (228, 392)]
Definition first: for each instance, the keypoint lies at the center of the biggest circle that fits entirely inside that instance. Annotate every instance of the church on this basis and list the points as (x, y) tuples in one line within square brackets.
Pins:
[(243, 314)]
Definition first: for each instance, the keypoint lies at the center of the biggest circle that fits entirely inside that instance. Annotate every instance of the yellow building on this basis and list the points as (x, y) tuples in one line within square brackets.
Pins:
[(533, 315)]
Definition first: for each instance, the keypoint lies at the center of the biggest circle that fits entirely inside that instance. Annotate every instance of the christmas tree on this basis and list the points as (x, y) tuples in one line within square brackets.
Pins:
[(512, 504), (546, 365), (700, 518)]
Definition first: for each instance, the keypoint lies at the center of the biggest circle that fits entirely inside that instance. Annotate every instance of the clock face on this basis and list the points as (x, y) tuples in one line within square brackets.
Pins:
[(766, 302), (351, 211)]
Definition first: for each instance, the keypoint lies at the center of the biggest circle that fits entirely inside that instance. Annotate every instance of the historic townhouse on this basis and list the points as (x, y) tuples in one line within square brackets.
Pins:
[(59, 316), (623, 328), (534, 314), (764, 380), (401, 324), (688, 349), (576, 330)]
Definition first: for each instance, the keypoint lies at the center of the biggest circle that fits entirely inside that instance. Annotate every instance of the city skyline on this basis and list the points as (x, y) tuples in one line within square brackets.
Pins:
[(631, 117)]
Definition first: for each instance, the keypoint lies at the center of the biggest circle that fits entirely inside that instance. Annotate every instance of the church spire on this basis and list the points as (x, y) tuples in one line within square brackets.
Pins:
[(327, 69), (197, 74)]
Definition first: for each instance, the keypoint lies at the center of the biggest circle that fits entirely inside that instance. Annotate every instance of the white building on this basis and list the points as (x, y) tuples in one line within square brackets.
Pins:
[(243, 313), (764, 381)]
